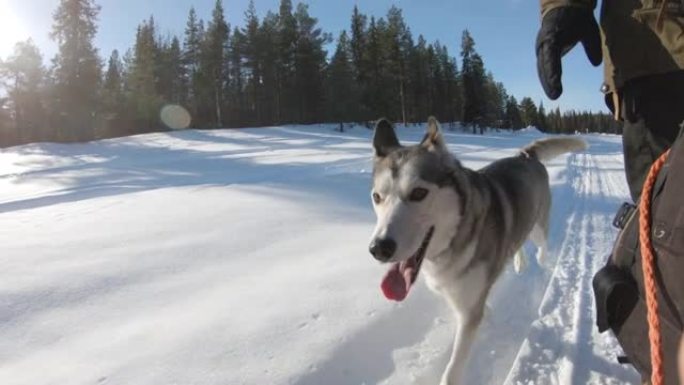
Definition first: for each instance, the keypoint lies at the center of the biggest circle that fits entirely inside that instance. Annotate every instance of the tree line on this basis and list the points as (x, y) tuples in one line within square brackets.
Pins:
[(271, 70)]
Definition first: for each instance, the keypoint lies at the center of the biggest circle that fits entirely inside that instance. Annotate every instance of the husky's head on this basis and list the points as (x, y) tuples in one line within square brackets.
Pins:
[(412, 188)]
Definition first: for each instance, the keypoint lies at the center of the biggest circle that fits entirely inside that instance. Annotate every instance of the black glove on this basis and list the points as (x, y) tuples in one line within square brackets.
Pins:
[(561, 29)]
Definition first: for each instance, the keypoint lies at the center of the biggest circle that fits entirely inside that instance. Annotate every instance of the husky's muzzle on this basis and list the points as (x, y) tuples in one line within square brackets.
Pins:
[(383, 249), (402, 275)]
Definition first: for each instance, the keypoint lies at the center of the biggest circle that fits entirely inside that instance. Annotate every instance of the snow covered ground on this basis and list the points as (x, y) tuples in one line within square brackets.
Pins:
[(240, 257)]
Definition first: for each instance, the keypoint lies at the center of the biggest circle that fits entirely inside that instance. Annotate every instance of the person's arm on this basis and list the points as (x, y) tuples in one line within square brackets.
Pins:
[(547, 5), (564, 24)]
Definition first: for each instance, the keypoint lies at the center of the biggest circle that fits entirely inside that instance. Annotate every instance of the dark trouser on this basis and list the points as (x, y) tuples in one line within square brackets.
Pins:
[(653, 110)]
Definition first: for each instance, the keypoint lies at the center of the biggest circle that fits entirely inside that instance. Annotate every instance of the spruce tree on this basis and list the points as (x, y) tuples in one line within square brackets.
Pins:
[(513, 117), (310, 62), (7, 131), (452, 94), (144, 99), (192, 44), (171, 72), (529, 112), (253, 62), (358, 41), (23, 77), (268, 48), (494, 102), (419, 75), (113, 98), (287, 99), (397, 46), (358, 46), (236, 94), (212, 62), (76, 67), (342, 94), (543, 124), (473, 80), (375, 89)]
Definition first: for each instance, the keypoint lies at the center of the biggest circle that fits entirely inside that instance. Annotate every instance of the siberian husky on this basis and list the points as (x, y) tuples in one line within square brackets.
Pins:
[(457, 226)]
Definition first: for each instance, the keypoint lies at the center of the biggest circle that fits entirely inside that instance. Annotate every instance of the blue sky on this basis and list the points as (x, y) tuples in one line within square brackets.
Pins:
[(504, 32)]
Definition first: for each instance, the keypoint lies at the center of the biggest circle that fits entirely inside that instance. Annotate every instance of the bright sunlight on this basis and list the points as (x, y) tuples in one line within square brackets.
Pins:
[(12, 29)]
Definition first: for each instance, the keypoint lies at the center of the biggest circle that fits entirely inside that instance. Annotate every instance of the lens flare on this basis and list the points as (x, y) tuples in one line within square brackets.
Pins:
[(175, 117)]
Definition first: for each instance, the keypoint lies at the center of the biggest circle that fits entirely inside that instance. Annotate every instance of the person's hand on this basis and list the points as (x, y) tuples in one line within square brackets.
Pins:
[(561, 29)]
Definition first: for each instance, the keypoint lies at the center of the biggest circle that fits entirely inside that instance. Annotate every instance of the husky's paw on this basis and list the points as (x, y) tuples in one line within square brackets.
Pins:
[(520, 261)]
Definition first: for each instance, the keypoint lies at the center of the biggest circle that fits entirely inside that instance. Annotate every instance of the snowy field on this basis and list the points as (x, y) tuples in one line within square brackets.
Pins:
[(240, 257)]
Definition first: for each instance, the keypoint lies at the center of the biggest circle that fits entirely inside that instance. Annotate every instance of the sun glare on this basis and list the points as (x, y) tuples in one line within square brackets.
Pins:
[(12, 29)]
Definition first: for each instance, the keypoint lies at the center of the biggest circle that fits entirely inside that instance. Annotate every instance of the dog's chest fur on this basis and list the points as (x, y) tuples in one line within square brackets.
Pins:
[(444, 273)]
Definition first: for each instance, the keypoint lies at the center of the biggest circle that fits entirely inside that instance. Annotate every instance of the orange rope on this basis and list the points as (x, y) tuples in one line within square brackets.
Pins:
[(648, 262)]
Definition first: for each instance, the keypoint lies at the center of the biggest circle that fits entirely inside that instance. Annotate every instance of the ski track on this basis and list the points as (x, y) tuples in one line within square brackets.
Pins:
[(563, 346), (538, 328)]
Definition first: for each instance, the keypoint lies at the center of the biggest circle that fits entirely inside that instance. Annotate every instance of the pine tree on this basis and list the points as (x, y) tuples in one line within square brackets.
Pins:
[(419, 76), (7, 131), (212, 62), (376, 90), (76, 67), (397, 46), (436, 82), (253, 62), (543, 124), (358, 45), (112, 88), (342, 94), (176, 72), (556, 121), (358, 41), (144, 99), (170, 71), (113, 99), (192, 45), (494, 102), (513, 117), (23, 76), (236, 94), (529, 112), (310, 62), (287, 99), (452, 100), (268, 44), (473, 79)]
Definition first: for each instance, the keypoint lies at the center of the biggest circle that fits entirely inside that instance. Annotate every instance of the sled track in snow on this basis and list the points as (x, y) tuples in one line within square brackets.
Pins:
[(563, 345)]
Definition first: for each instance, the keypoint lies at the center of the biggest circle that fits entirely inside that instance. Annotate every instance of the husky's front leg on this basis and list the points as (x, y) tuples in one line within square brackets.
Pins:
[(468, 322)]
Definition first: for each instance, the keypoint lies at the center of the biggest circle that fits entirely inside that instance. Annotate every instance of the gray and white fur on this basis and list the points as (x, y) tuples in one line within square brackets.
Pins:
[(473, 221)]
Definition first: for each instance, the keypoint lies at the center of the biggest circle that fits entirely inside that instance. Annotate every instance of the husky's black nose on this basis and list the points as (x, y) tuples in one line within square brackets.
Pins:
[(382, 249)]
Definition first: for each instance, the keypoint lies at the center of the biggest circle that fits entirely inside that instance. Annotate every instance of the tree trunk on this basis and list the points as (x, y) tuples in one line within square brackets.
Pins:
[(403, 102), (219, 119)]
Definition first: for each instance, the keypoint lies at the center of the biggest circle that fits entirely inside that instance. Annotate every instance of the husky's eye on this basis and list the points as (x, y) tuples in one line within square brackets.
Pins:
[(376, 198), (418, 194)]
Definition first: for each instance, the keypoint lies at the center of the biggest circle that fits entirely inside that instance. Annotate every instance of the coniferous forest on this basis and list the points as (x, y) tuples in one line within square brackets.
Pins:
[(279, 69)]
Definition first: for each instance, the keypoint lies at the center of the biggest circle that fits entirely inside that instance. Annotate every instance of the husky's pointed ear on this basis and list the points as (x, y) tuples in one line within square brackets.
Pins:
[(385, 139), (433, 139)]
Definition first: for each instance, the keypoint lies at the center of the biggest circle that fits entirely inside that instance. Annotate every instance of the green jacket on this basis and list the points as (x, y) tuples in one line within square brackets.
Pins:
[(635, 42)]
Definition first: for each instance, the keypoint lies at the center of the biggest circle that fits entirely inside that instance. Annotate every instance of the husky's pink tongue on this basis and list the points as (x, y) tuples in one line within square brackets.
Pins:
[(398, 281)]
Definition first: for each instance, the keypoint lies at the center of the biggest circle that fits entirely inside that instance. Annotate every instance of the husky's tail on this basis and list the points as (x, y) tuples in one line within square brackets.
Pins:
[(549, 148)]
